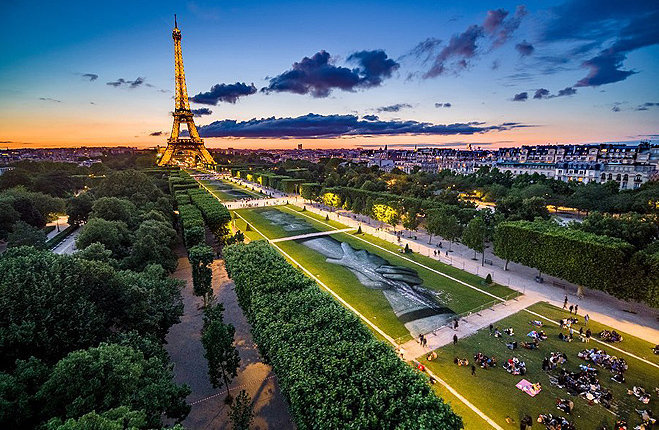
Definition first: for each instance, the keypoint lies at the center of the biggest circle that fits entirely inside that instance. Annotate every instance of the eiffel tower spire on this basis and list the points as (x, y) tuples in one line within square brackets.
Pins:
[(192, 149)]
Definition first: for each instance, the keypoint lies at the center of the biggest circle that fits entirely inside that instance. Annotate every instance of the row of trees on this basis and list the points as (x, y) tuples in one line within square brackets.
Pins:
[(330, 367), (594, 261), (81, 341)]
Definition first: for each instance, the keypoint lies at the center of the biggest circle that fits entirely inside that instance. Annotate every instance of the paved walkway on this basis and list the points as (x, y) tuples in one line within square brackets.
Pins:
[(68, 245), (208, 410), (466, 326)]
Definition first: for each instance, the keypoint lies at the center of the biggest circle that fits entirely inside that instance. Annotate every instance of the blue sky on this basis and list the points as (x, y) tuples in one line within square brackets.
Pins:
[(597, 61)]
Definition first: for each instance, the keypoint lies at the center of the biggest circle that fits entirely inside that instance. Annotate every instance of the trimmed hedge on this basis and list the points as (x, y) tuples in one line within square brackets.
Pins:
[(333, 371), (215, 214), (598, 262)]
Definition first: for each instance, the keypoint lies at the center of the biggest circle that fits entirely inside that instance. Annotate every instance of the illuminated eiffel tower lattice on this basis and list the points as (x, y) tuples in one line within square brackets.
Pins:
[(183, 150)]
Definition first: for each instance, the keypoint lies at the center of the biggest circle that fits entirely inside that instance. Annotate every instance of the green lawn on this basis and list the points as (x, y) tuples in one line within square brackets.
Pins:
[(493, 391), (369, 302), (227, 191)]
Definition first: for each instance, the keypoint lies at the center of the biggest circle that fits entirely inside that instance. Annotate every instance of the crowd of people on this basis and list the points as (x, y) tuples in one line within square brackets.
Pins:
[(585, 384), (601, 358), (554, 360), (484, 361), (552, 422), (515, 366)]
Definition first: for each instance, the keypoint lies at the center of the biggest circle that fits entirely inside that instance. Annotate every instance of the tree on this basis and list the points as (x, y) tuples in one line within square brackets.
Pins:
[(450, 228), (241, 413), (110, 376), (113, 234), (433, 224), (411, 220), (78, 208), (114, 209), (8, 216), (23, 234), (14, 178), (153, 244), (114, 419), (96, 252), (473, 236), (201, 258), (220, 351)]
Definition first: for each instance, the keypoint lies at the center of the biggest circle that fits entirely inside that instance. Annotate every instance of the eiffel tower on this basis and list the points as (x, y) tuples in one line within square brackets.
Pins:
[(183, 150)]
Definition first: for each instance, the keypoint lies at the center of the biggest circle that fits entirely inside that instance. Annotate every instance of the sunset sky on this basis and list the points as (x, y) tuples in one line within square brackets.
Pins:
[(331, 74)]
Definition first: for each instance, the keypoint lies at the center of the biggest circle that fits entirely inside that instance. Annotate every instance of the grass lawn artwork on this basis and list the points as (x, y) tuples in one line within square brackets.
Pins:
[(401, 297), (507, 397), (226, 191)]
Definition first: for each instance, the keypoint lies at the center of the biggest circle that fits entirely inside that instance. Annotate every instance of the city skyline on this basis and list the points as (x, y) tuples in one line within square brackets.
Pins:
[(492, 74)]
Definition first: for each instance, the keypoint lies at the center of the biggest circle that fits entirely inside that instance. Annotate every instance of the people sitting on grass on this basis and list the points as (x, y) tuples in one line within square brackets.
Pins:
[(509, 331), (484, 361), (497, 332), (536, 323), (565, 337), (531, 345), (640, 394), (565, 405), (610, 336), (432, 356), (512, 345), (515, 366), (568, 322), (601, 358), (648, 419), (586, 385), (551, 362), (461, 361), (555, 422), (539, 335)]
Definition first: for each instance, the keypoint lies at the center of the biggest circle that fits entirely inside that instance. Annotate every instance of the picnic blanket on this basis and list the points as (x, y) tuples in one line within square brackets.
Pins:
[(528, 388)]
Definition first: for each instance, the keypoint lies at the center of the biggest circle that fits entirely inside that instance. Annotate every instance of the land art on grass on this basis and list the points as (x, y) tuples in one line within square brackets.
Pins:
[(401, 297), (226, 191), (493, 391)]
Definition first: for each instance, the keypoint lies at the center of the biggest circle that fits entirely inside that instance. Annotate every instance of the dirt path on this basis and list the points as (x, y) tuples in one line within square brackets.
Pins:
[(187, 354)]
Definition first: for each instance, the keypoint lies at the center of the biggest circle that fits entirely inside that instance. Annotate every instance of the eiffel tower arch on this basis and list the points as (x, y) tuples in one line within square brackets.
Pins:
[(181, 150)]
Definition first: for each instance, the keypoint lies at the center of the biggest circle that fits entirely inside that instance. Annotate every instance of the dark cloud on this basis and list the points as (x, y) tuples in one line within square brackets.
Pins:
[(318, 75), (607, 30), (228, 93), (442, 105), (158, 133), (371, 117), (569, 91), (456, 54), (48, 99), (374, 66), (541, 93), (202, 111), (121, 82), (524, 48), (521, 97), (647, 106), (463, 47), (90, 76), (394, 108), (616, 107), (499, 28), (329, 126)]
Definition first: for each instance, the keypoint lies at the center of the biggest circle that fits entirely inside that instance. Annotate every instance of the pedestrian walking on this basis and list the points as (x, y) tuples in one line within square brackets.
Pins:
[(455, 339), (588, 334), (425, 341), (586, 318), (570, 308), (455, 324), (473, 369), (565, 303), (576, 309)]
